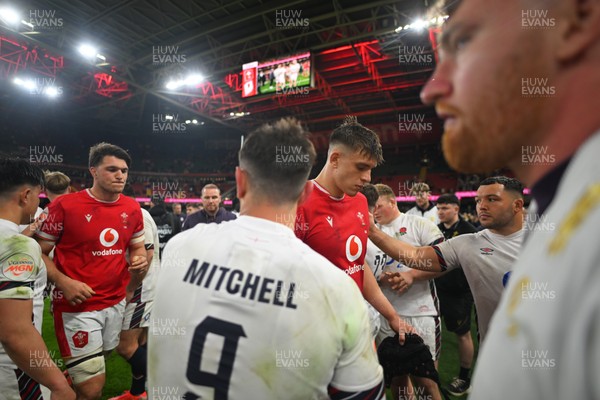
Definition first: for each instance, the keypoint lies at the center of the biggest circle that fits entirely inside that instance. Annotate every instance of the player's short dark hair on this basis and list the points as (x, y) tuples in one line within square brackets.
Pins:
[(15, 172), (278, 158), (510, 184), (100, 150), (56, 182), (193, 205), (357, 137), (448, 199), (370, 192)]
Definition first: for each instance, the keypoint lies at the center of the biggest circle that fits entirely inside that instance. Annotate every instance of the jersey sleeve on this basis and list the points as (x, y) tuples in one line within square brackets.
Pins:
[(430, 234), (357, 370), (447, 252), (148, 231), (300, 223), (19, 269), (53, 222), (138, 230)]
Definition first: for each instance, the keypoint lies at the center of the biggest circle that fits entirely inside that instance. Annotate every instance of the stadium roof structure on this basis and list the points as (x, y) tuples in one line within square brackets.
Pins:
[(357, 48)]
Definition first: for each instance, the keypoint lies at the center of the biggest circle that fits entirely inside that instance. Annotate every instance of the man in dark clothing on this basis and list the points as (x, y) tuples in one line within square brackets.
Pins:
[(167, 223), (177, 210), (456, 301), (212, 212)]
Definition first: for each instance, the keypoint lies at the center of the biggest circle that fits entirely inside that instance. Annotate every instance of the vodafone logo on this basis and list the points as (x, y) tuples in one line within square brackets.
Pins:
[(108, 237), (354, 248)]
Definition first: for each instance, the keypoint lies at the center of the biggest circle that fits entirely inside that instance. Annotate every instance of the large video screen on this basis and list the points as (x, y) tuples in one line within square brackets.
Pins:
[(277, 76)]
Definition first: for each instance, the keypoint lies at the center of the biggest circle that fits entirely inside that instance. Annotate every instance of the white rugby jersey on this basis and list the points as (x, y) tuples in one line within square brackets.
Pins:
[(22, 274), (544, 340), (150, 239), (418, 301), (250, 300), (485, 258), (431, 214)]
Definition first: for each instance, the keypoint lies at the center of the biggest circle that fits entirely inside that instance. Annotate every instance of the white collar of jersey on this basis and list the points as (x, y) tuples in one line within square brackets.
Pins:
[(89, 192), (322, 189), (8, 226), (262, 224)]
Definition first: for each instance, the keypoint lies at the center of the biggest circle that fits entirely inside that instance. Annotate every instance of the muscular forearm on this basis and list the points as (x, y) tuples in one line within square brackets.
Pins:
[(422, 258), (54, 275)]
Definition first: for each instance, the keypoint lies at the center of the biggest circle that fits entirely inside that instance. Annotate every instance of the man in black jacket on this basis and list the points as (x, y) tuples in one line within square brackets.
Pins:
[(212, 212), (168, 224), (456, 300)]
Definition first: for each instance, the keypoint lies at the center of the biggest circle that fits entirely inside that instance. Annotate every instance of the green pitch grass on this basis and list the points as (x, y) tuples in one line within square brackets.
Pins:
[(300, 82), (118, 373)]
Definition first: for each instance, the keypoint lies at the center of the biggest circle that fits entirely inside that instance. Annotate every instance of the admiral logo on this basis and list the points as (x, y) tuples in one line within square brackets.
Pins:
[(486, 251), (354, 248)]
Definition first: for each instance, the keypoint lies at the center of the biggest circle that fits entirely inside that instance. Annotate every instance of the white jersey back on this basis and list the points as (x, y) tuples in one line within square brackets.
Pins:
[(485, 258), (150, 239), (431, 214), (419, 300), (244, 309), (544, 341)]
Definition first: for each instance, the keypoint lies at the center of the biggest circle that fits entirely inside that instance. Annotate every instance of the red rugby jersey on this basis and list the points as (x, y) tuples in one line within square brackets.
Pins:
[(91, 238), (336, 228)]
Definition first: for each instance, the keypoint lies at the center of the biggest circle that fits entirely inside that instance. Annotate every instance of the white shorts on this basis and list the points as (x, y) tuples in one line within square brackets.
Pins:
[(13, 382), (84, 333), (428, 328), (137, 315)]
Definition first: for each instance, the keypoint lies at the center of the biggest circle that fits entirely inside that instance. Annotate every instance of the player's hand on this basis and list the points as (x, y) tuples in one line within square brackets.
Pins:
[(371, 222), (75, 292), (398, 281), (64, 394), (138, 265), (402, 328)]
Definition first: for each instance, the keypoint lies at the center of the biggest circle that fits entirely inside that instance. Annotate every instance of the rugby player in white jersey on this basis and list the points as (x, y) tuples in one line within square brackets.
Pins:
[(517, 83), (25, 362), (484, 256), (136, 318), (417, 305), (253, 311)]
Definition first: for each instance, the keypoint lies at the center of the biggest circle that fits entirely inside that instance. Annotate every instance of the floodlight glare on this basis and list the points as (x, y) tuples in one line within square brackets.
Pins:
[(9, 15), (51, 91), (87, 51)]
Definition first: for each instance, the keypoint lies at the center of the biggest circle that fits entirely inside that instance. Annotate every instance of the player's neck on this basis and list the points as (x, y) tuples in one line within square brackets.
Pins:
[(326, 181), (99, 194), (10, 213), (514, 226), (450, 223), (284, 215)]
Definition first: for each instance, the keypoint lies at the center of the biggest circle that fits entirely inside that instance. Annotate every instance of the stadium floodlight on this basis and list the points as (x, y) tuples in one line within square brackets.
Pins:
[(51, 91), (9, 15), (172, 85), (419, 24), (193, 79), (187, 121), (194, 121), (169, 117), (27, 84), (87, 51)]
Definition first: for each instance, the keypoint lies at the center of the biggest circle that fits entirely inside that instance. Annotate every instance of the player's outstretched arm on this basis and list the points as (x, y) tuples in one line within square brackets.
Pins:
[(402, 281), (373, 294), (75, 292), (27, 349), (422, 258)]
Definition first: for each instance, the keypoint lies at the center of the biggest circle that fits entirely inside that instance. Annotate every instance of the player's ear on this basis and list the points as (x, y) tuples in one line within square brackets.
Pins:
[(334, 157), (578, 27), (241, 182), (518, 205), (308, 187)]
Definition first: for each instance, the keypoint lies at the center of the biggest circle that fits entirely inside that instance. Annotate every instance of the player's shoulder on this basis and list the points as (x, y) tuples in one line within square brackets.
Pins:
[(68, 199)]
